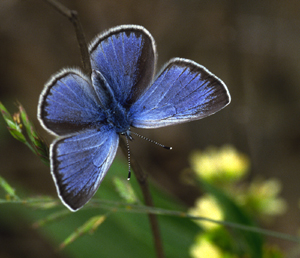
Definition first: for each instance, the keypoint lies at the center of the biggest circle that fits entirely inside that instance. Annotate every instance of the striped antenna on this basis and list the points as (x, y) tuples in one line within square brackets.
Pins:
[(149, 140)]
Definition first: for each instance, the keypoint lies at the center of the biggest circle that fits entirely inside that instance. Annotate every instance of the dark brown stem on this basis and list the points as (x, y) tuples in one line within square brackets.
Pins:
[(141, 177), (73, 17), (142, 180)]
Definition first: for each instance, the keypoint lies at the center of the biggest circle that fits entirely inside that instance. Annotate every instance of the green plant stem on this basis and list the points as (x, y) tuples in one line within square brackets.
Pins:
[(30, 147), (159, 211), (131, 208)]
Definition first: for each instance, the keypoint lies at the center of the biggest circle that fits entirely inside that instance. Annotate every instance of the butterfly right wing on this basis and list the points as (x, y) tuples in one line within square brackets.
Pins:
[(184, 91), (79, 162)]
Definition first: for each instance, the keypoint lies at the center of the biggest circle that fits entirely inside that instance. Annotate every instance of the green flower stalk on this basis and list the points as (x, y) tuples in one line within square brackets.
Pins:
[(16, 123), (89, 226), (13, 124), (40, 147)]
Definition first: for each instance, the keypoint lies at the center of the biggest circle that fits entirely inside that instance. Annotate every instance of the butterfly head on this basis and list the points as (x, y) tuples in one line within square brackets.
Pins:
[(127, 134)]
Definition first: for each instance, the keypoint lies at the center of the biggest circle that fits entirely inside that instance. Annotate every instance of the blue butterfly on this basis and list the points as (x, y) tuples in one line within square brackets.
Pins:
[(89, 113)]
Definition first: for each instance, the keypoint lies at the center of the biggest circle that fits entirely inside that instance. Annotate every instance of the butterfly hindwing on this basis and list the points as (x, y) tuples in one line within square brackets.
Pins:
[(69, 103), (79, 162), (126, 57), (183, 91)]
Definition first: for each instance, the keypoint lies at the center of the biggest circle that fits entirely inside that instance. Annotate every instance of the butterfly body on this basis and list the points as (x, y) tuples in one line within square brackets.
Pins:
[(115, 113), (88, 113)]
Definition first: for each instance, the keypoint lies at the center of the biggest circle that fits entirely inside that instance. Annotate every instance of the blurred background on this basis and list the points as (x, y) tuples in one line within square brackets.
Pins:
[(253, 46)]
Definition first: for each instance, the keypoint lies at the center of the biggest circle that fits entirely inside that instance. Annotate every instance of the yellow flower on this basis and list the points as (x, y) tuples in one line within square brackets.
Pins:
[(207, 207), (204, 248), (263, 195), (225, 164)]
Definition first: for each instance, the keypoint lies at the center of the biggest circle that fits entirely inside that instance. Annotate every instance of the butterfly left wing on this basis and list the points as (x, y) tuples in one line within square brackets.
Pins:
[(183, 91), (80, 161)]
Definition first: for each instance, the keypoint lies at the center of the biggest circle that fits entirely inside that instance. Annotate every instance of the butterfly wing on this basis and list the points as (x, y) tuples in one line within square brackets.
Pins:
[(69, 106), (183, 91), (126, 57), (79, 162), (69, 103)]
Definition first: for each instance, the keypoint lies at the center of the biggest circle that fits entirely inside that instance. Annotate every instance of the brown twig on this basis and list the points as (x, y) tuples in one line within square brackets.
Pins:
[(141, 177), (73, 17)]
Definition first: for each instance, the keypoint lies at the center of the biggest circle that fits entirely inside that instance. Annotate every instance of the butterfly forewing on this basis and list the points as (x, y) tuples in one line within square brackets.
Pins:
[(183, 91), (126, 58), (69, 103)]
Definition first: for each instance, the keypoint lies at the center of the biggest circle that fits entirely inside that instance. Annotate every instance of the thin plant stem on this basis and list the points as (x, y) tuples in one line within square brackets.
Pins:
[(133, 208), (141, 177), (143, 183), (73, 17), (30, 147)]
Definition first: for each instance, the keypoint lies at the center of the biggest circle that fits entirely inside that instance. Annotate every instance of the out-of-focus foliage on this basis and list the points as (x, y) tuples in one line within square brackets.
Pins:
[(125, 190), (220, 173)]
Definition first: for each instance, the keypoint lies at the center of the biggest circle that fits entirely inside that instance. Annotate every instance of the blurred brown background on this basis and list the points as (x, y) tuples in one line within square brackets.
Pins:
[(253, 46)]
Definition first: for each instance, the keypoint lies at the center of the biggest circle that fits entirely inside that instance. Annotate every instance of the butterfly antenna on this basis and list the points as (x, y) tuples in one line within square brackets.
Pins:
[(149, 140), (128, 158)]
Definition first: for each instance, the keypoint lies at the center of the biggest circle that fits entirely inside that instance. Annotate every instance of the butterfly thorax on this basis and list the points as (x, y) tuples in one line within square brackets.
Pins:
[(118, 117), (115, 113)]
